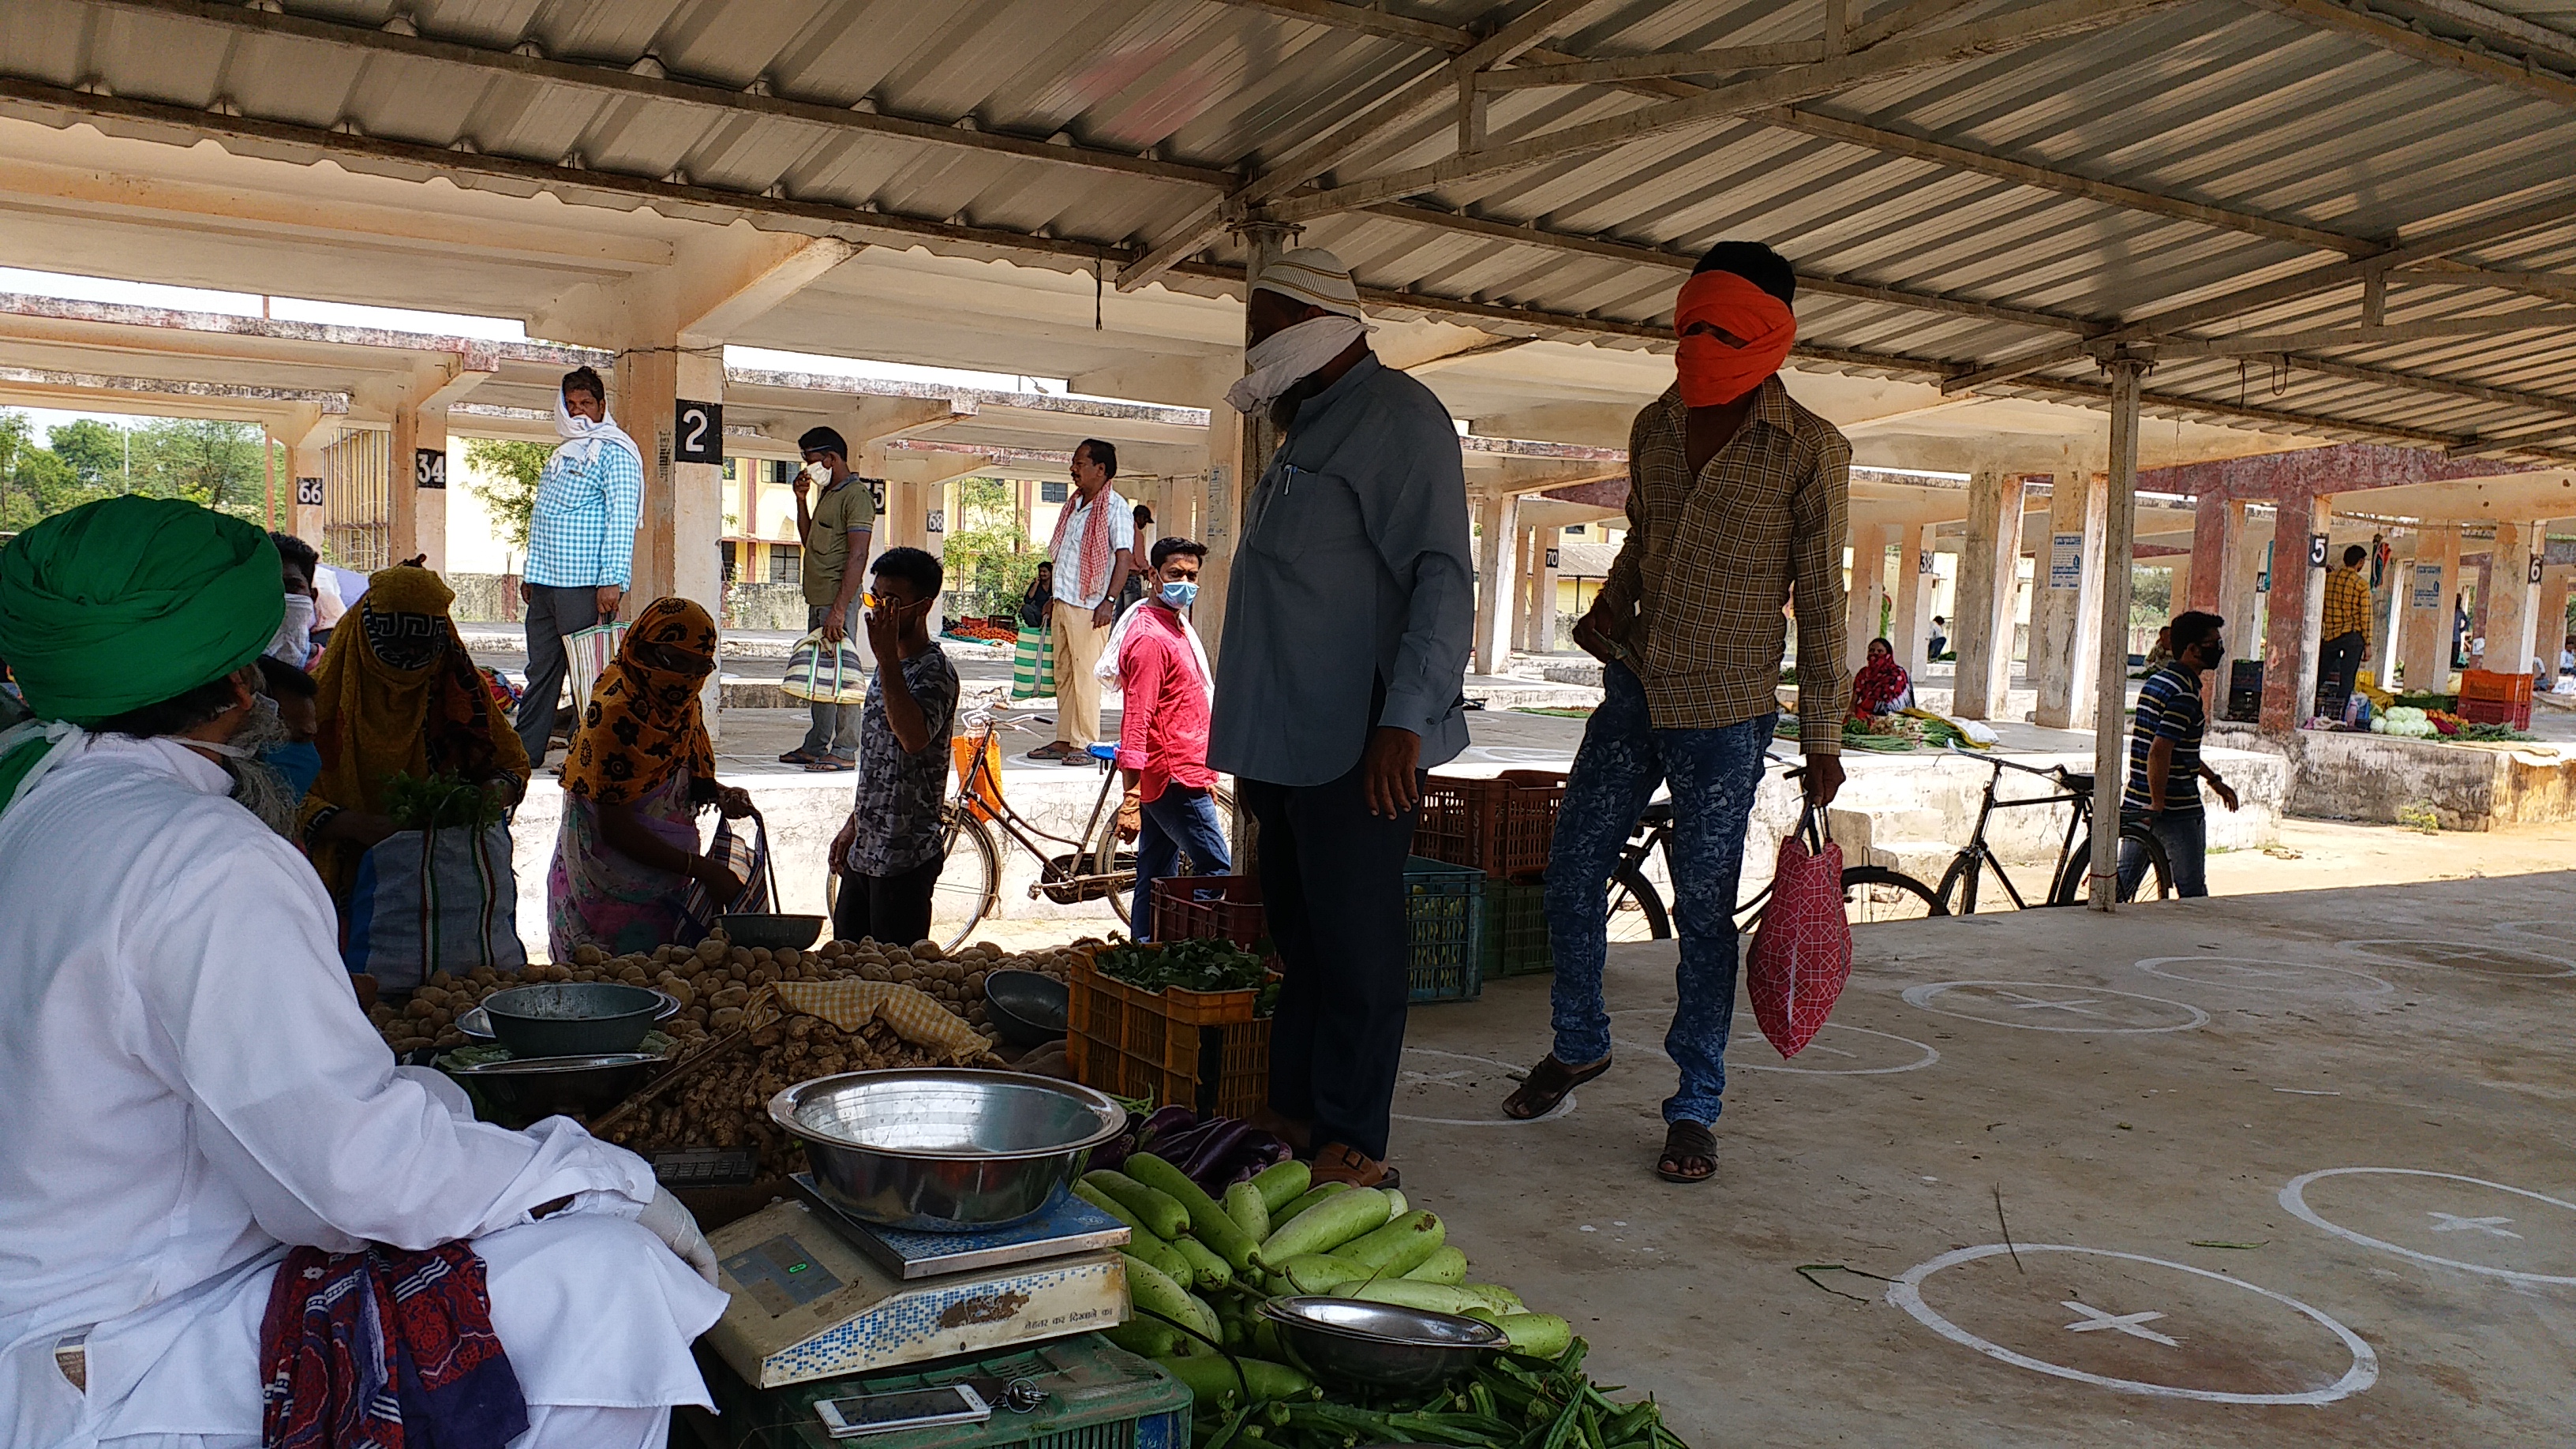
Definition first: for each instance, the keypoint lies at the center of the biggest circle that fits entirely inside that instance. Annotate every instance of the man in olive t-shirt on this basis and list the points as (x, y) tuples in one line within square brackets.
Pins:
[(836, 531)]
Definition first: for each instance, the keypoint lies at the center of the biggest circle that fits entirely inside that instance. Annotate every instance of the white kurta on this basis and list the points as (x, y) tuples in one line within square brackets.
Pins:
[(189, 1085)]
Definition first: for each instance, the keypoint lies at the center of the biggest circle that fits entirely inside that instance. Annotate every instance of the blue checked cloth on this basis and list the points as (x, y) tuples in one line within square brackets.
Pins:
[(582, 534)]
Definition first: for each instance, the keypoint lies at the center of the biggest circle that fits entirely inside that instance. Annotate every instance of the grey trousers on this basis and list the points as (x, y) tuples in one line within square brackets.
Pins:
[(552, 613), (836, 726)]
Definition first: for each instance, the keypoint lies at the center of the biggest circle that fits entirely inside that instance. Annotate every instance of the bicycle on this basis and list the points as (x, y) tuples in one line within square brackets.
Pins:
[(2069, 878), (1637, 910), (1098, 865)]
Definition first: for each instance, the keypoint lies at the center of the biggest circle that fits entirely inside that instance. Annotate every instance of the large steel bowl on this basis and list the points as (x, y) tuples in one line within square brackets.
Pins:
[(944, 1150), (572, 1018), (1381, 1346), (521, 1092)]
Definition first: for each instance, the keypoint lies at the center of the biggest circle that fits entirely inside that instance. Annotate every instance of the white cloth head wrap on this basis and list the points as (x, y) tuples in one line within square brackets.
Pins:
[(582, 437)]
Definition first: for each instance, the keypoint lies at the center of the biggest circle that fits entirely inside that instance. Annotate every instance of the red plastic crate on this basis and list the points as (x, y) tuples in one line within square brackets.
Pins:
[(1503, 826), (2487, 697), (1202, 907)]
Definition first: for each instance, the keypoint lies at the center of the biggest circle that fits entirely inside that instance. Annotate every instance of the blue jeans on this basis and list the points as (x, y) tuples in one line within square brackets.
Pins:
[(835, 728), (1179, 821), (2185, 837), (1713, 774)]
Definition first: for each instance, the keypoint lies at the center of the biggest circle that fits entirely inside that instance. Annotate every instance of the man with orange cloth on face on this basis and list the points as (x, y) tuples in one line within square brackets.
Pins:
[(1736, 499)]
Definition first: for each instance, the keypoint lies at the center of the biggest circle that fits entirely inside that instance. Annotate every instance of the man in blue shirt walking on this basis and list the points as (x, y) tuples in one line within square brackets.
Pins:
[(581, 544)]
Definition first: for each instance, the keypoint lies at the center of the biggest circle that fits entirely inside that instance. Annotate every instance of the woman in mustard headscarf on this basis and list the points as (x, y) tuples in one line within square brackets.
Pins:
[(397, 695), (628, 875)]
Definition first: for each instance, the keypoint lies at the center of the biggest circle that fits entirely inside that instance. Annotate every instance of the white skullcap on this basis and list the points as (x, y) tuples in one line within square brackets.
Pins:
[(1314, 276)]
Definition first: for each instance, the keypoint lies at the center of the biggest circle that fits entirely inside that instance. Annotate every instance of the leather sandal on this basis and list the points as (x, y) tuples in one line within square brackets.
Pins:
[(1337, 1163), (1687, 1145), (1546, 1085)]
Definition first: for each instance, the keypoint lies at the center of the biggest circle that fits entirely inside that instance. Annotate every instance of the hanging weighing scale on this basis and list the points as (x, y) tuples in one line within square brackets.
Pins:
[(817, 1294)]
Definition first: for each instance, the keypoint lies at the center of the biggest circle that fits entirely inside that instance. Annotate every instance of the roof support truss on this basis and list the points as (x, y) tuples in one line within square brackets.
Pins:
[(2356, 19)]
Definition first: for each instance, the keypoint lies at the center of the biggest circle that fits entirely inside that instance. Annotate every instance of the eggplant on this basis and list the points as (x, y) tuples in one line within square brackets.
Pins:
[(1211, 1150)]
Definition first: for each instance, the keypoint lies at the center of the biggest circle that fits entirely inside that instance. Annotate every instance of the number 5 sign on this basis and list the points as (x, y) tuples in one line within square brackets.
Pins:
[(697, 432)]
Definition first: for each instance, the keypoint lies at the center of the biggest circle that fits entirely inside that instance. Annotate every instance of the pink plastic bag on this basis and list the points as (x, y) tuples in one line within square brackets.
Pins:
[(1802, 950)]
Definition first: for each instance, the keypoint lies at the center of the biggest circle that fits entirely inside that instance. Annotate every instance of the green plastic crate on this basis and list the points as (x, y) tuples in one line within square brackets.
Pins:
[(1515, 933), (1444, 907), (1099, 1396)]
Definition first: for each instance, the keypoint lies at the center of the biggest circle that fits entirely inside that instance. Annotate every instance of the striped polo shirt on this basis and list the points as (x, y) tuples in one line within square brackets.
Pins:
[(2169, 708)]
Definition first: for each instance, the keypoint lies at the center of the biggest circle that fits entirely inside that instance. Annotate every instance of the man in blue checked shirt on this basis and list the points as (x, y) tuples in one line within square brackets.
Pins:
[(581, 544)]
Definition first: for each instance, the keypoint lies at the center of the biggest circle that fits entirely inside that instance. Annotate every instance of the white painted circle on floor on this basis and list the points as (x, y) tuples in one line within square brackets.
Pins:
[(2056, 1006), (2464, 955), (1820, 1050), (2253, 973), (1907, 1293), (2471, 1226), (1495, 1084)]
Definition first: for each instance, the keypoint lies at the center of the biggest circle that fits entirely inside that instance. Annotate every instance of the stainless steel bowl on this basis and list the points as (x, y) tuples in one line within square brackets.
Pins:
[(1381, 1346), (944, 1150), (520, 1092), (476, 1023), (572, 1018)]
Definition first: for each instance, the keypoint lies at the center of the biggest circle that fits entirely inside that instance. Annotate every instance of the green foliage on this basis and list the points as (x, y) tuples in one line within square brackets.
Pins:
[(214, 463), (505, 479), (989, 555)]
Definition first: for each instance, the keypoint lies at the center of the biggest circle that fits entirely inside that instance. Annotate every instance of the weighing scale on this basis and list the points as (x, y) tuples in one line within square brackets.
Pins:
[(817, 1294)]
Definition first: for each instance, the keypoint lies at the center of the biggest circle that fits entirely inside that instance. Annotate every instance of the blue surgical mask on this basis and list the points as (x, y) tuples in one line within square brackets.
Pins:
[(300, 764), (1180, 595)]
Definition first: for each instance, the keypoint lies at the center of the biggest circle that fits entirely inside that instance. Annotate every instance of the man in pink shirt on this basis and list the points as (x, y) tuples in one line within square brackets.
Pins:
[(1163, 732)]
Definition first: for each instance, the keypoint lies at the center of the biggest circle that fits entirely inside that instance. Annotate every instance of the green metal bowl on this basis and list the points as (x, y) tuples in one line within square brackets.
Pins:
[(572, 1018)]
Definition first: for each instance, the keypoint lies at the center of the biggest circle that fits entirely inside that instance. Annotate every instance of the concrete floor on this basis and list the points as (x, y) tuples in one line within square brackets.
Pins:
[(2142, 1085)]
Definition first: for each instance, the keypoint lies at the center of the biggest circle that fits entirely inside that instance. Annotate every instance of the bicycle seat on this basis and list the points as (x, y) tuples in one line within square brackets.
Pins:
[(1104, 752), (2079, 784), (1658, 813)]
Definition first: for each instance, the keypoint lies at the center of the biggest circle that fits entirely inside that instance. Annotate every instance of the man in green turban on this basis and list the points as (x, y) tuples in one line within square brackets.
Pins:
[(175, 1011)]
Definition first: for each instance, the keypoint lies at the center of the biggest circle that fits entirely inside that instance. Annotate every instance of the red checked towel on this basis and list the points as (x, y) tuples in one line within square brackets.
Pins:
[(382, 1349)]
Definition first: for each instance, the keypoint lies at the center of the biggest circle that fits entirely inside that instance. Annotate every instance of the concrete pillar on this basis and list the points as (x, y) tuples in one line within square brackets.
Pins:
[(2392, 614), (2237, 602), (2066, 608), (2210, 518), (1238, 449), (1913, 613), (2483, 573), (1867, 592), (2290, 616), (2181, 571), (420, 511), (1989, 562), (2513, 601), (2424, 650), (305, 464), (1495, 520), (2551, 625), (2111, 672), (1538, 623), (683, 513)]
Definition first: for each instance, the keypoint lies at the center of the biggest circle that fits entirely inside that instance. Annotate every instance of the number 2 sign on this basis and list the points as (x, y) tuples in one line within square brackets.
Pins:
[(697, 432)]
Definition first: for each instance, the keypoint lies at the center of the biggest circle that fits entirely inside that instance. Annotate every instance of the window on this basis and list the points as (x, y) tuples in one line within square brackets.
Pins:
[(1574, 528), (780, 471), (726, 549), (1054, 492), (786, 564), (729, 470)]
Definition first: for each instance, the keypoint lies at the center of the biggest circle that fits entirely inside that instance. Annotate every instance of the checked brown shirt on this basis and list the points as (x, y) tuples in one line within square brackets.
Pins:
[(1693, 602)]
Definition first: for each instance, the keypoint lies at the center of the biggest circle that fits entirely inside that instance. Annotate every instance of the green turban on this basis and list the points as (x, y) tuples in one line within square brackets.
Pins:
[(130, 601)]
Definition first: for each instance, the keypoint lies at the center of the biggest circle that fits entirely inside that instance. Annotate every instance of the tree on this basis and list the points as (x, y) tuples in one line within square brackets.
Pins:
[(91, 449), (989, 555), (215, 463), (503, 474), (34, 483)]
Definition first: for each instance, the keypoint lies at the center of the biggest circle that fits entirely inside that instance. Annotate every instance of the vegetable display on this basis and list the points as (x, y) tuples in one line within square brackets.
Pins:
[(1201, 1320), (441, 802), (2403, 721), (1202, 964), (1214, 1152)]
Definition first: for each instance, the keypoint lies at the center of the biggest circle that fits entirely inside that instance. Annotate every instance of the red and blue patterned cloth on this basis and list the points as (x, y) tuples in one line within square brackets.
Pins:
[(382, 1349)]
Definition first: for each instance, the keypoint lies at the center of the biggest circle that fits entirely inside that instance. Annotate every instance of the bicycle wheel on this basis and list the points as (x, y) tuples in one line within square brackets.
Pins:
[(1636, 909), (1875, 893), (1120, 855), (970, 883), (2074, 886), (1958, 888)]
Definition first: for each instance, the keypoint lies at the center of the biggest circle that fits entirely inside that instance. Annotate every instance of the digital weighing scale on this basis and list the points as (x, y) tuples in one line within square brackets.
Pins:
[(818, 1295)]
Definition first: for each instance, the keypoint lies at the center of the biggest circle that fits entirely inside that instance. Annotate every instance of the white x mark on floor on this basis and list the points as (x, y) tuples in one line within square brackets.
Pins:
[(2038, 1003), (2094, 1320), (2454, 1223)]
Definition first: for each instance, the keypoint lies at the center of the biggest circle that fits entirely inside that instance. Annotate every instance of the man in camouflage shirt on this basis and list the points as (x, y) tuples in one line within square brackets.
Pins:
[(890, 853)]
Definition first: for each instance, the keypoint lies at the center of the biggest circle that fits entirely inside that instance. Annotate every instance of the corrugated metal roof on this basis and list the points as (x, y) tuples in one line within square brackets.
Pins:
[(1129, 118)]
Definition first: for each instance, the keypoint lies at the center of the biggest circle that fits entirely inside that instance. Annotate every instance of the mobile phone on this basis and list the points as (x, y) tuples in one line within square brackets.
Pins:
[(903, 1409)]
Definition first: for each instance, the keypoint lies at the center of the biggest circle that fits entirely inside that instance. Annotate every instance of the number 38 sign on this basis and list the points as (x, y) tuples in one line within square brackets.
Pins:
[(697, 432)]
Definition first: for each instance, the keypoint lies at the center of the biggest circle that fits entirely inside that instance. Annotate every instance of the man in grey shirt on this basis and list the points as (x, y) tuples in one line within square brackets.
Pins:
[(1347, 626)]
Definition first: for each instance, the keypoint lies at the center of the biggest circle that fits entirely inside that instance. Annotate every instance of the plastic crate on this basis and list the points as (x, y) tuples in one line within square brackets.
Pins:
[(1503, 826), (1201, 907), (2487, 697), (1099, 1396), (1515, 941), (1444, 909), (1198, 1049)]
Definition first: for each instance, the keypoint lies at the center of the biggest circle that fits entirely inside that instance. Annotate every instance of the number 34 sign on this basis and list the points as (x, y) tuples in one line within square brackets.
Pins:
[(697, 432)]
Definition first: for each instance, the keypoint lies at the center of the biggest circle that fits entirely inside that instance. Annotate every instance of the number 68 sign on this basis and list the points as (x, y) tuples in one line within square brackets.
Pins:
[(697, 432)]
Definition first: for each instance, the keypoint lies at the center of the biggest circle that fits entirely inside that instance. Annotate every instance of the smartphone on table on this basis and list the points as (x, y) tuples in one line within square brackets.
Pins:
[(902, 1409)]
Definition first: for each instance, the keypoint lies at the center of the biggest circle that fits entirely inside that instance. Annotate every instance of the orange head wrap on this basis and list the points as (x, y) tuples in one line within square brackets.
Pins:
[(1713, 370)]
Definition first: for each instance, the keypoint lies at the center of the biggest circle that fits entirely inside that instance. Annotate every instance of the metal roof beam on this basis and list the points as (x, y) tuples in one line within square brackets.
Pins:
[(1367, 20), (238, 19), (2286, 289), (1639, 255), (2050, 20), (2353, 18), (1902, 21), (2488, 23), (2256, 345)]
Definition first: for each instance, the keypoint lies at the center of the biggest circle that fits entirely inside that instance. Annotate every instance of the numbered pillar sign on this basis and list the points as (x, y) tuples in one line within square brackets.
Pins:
[(1554, 558), (2316, 550), (2535, 568), (429, 468), (308, 492), (697, 432), (938, 521)]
